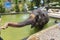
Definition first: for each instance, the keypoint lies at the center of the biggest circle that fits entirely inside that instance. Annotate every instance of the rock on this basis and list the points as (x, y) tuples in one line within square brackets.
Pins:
[(51, 33), (54, 15)]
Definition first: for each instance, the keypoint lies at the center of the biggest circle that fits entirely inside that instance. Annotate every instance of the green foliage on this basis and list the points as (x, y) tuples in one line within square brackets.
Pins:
[(37, 2), (54, 0), (2, 10), (31, 7), (16, 8)]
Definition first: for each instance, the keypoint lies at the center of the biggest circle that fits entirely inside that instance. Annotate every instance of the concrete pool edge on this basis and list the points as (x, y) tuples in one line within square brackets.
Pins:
[(54, 15), (36, 35)]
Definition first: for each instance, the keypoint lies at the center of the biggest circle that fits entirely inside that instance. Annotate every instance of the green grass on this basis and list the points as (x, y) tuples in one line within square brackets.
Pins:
[(19, 33)]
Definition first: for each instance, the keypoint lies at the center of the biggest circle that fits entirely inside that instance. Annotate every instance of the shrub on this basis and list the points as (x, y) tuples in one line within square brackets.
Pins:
[(16, 8), (2, 10)]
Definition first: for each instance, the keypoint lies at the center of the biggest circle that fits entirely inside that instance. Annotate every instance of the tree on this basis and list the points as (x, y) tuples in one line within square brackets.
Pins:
[(16, 6), (2, 10), (37, 2), (32, 5)]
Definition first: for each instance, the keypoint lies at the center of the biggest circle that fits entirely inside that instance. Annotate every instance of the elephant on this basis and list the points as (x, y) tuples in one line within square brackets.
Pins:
[(37, 18)]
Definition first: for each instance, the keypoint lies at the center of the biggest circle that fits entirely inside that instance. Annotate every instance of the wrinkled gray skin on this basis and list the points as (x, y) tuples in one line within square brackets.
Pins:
[(41, 18)]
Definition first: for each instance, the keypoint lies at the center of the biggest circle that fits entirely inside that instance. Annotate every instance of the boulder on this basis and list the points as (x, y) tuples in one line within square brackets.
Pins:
[(51, 33)]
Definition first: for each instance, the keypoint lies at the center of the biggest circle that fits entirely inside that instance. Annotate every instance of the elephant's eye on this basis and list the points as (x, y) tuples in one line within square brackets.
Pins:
[(43, 15)]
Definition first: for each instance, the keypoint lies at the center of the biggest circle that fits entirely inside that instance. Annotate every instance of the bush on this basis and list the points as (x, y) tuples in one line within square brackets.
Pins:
[(16, 8), (2, 10)]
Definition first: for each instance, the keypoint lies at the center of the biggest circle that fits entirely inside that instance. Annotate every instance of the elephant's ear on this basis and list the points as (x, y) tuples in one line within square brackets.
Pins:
[(36, 21)]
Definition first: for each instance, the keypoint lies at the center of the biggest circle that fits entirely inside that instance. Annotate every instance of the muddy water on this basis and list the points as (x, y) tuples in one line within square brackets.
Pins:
[(19, 33)]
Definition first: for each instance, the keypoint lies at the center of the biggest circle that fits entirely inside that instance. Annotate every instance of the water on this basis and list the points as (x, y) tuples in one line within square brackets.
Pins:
[(12, 33)]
